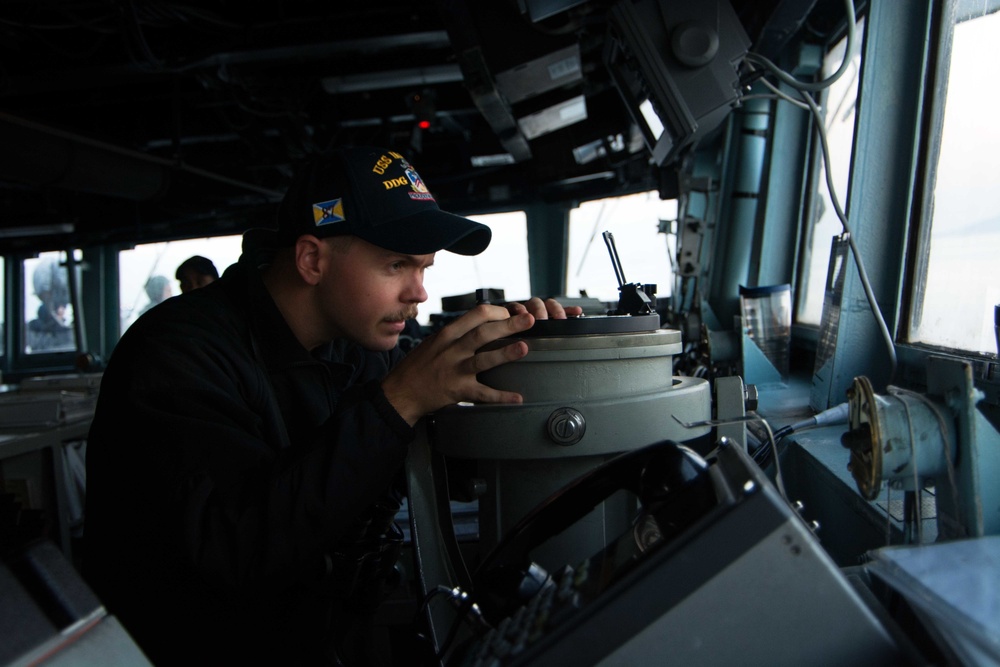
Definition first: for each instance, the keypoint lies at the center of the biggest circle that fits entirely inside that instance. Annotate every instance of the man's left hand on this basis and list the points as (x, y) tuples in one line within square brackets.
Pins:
[(543, 310)]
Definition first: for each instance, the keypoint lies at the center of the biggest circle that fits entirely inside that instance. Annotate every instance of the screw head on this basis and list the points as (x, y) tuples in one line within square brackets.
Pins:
[(566, 426)]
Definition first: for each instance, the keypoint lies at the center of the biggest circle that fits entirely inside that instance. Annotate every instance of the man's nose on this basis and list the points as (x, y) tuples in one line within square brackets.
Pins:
[(415, 292)]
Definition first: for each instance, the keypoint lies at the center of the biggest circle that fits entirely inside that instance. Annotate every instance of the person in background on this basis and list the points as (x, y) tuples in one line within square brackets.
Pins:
[(195, 272), (253, 523), (158, 290), (51, 330)]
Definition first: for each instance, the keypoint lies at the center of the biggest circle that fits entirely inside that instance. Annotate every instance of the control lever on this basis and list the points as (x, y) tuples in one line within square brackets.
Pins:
[(634, 299)]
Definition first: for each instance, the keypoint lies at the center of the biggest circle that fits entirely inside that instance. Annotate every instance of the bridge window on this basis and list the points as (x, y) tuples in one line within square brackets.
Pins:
[(839, 106), (955, 308), (634, 220), (146, 272), (48, 309), (503, 265)]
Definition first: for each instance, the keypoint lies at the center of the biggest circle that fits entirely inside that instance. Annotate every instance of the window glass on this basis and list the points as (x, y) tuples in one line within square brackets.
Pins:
[(634, 221), (48, 310), (147, 272), (839, 107), (955, 307), (503, 265)]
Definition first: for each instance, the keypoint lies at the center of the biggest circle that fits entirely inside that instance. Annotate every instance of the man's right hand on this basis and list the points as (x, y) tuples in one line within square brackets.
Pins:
[(442, 370)]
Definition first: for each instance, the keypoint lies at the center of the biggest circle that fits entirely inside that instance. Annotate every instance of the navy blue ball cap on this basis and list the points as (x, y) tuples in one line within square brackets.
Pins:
[(376, 195)]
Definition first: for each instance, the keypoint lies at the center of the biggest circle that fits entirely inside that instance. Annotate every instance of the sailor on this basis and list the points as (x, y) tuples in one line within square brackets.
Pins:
[(52, 329), (245, 456)]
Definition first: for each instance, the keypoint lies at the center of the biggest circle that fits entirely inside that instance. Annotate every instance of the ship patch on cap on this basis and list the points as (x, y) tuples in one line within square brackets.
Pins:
[(418, 191), (328, 212)]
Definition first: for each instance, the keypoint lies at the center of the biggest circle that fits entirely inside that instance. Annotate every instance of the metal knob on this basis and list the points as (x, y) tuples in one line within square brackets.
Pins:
[(566, 426)]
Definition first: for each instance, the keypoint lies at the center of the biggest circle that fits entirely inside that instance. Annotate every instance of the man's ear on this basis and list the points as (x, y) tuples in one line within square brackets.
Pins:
[(309, 258)]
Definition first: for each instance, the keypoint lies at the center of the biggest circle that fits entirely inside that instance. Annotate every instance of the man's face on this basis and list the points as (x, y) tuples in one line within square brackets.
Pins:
[(191, 279), (370, 292)]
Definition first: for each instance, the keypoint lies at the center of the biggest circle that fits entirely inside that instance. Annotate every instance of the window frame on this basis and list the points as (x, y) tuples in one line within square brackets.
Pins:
[(883, 202)]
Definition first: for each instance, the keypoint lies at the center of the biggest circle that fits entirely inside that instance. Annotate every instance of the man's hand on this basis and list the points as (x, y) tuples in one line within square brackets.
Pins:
[(442, 369), (543, 310)]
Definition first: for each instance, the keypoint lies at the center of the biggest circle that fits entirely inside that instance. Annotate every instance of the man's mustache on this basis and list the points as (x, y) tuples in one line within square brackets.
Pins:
[(408, 314)]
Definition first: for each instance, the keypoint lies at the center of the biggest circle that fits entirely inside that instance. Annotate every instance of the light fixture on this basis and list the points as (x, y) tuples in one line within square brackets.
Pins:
[(37, 230)]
